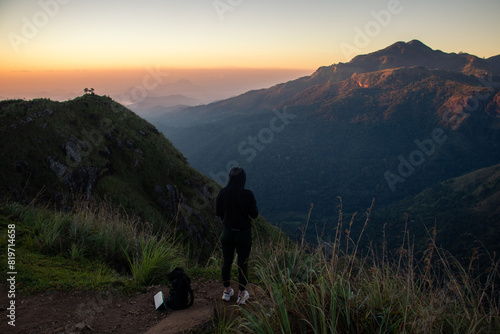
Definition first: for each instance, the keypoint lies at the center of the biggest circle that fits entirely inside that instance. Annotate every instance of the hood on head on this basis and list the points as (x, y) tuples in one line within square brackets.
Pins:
[(237, 177)]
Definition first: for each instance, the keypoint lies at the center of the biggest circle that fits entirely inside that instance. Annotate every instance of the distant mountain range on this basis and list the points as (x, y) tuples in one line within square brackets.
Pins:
[(386, 125), (154, 106), (162, 98), (399, 55)]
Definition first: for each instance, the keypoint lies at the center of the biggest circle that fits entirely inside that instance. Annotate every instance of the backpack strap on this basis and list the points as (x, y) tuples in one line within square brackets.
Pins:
[(191, 294), (188, 284)]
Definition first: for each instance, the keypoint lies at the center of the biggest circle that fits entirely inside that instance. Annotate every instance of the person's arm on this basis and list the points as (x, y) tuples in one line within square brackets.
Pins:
[(253, 211)]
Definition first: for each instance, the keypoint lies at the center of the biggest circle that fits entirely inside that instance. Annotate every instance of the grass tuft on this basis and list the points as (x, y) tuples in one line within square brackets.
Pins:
[(154, 259)]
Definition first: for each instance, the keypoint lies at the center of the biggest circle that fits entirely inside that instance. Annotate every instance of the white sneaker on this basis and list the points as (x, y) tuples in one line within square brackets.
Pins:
[(243, 298), (227, 296)]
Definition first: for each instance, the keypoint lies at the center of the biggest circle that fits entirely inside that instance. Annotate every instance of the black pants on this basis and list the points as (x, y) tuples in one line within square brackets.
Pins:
[(241, 241)]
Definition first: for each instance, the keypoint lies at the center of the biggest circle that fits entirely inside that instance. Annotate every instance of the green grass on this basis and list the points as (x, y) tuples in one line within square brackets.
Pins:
[(40, 273), (93, 247), (154, 259)]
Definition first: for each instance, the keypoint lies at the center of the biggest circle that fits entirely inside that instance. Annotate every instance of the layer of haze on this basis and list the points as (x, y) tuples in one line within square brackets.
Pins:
[(127, 85), (55, 48)]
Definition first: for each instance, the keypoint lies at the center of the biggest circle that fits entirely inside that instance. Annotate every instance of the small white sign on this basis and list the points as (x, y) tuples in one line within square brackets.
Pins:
[(160, 302)]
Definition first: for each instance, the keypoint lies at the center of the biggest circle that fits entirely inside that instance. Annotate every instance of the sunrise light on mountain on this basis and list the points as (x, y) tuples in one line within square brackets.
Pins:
[(51, 39)]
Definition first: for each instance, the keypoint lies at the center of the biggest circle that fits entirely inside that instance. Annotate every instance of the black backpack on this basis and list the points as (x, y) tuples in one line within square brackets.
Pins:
[(180, 295)]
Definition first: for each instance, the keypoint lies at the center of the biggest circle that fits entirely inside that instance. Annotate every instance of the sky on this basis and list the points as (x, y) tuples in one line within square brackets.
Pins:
[(57, 47)]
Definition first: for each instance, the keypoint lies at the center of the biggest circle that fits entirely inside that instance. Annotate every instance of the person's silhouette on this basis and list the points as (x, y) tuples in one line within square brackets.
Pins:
[(236, 206)]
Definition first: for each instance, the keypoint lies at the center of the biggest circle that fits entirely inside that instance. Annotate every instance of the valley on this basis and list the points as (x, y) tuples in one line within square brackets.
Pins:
[(386, 125)]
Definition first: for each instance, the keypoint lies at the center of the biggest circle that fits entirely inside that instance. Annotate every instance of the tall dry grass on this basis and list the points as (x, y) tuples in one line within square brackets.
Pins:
[(326, 289)]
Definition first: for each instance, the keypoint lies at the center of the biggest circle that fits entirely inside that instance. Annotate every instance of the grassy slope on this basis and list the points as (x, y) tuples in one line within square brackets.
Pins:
[(130, 155), (58, 151)]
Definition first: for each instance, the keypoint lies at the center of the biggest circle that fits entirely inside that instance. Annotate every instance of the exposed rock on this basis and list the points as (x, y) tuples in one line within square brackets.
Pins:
[(135, 164), (196, 232), (82, 327), (72, 151), (27, 120), (173, 197), (82, 180), (167, 198), (193, 221), (129, 144), (493, 108), (56, 167)]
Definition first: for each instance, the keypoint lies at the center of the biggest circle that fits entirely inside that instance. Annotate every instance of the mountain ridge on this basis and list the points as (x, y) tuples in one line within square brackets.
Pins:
[(368, 128), (397, 55)]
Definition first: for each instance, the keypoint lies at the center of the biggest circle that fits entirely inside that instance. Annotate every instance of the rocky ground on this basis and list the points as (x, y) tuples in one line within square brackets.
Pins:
[(106, 312)]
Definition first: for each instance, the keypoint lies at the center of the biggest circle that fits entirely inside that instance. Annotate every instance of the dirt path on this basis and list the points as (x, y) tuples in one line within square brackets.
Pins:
[(101, 312)]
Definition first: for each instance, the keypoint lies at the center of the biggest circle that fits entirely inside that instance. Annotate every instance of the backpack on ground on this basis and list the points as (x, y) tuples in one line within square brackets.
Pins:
[(180, 295)]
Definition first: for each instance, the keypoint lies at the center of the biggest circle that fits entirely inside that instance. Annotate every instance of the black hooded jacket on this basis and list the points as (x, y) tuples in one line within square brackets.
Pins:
[(236, 205)]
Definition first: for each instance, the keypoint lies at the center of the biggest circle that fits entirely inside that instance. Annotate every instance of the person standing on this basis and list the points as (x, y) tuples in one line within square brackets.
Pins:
[(236, 207)]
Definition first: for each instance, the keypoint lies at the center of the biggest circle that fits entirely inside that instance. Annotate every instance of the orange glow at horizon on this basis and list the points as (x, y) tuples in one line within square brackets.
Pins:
[(63, 45), (195, 60), (215, 82)]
